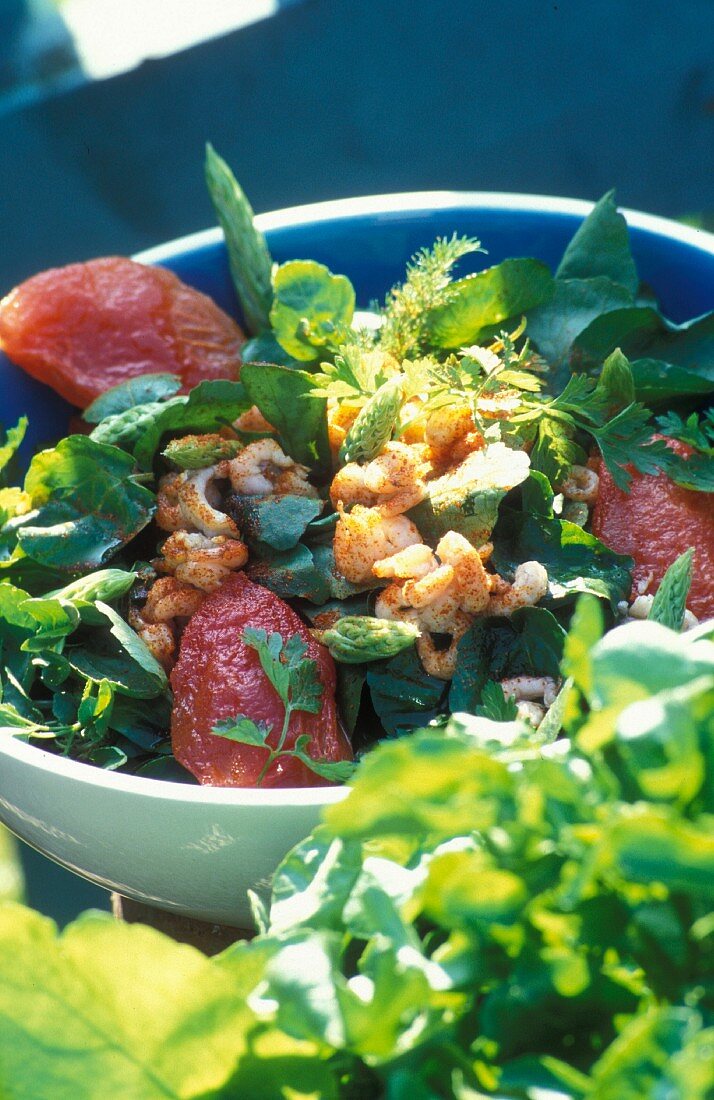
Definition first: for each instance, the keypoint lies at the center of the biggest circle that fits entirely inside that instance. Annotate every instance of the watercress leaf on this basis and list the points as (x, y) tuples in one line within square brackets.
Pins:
[(143, 390), (489, 298), (104, 584), (286, 399), (470, 505), (574, 303), (278, 522), (248, 254), (54, 620), (311, 308), (576, 561), (125, 429), (403, 694), (88, 505), (210, 405), (601, 247), (670, 601), (243, 730)]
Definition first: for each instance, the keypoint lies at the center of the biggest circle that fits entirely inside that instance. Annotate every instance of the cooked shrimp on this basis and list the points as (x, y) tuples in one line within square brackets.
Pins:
[(341, 415), (392, 482), (169, 516), (194, 489), (365, 536), (410, 564), (530, 585), (252, 421), (168, 599), (451, 435), (530, 688), (472, 581), (263, 469)]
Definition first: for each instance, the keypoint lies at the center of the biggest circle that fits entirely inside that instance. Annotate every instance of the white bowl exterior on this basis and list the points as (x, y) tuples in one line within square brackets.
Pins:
[(191, 850)]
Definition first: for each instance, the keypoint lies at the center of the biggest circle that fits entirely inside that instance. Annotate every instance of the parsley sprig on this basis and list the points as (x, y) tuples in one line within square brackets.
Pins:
[(295, 678)]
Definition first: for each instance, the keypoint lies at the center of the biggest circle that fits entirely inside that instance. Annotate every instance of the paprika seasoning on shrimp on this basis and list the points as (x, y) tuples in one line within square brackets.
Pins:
[(654, 523)]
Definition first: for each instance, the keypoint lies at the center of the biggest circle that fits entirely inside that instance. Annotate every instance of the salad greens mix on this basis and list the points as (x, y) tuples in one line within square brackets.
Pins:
[(490, 912), (454, 419)]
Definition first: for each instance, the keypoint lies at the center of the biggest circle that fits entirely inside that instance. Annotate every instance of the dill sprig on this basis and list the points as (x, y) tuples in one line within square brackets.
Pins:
[(425, 287)]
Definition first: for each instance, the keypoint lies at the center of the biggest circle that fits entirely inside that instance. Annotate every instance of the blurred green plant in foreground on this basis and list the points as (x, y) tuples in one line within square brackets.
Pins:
[(490, 912)]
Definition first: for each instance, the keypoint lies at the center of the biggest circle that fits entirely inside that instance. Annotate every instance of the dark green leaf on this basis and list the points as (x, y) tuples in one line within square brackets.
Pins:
[(248, 253), (601, 247), (142, 390), (278, 522), (209, 406), (554, 326), (88, 505), (576, 561), (403, 694), (290, 573), (487, 299), (286, 400), (266, 349)]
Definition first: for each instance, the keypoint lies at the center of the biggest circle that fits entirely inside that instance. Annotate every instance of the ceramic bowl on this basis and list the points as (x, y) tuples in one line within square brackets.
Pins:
[(197, 850)]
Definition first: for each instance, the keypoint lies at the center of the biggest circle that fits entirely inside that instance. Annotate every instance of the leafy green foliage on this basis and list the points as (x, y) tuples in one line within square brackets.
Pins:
[(13, 438), (279, 522), (285, 398), (312, 308), (601, 247), (574, 304), (196, 452), (296, 680), (209, 406), (481, 916), (87, 504), (403, 694), (143, 390), (486, 300), (248, 255)]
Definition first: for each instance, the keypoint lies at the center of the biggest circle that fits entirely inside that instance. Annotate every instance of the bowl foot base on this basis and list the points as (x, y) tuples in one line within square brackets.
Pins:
[(208, 938)]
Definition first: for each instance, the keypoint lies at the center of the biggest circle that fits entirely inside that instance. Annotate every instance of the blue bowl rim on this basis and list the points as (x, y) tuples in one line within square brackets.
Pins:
[(371, 205)]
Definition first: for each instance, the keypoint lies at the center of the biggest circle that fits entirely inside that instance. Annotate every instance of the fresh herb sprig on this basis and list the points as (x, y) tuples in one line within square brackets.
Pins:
[(295, 678)]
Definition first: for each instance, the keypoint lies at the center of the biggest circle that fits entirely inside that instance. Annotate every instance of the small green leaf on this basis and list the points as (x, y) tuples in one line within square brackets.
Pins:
[(209, 406), (13, 439), (88, 504), (403, 694), (670, 601), (142, 390), (601, 247), (285, 398), (243, 730), (278, 522), (248, 254), (487, 299), (311, 308), (469, 504)]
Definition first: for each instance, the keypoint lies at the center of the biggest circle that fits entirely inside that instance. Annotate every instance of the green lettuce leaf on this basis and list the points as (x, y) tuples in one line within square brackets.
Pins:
[(601, 247)]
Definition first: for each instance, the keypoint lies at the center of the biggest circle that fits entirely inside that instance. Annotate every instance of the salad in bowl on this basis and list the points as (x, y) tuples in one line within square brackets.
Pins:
[(284, 527)]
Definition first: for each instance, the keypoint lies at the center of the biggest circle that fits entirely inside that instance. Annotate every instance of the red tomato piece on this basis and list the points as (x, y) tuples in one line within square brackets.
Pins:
[(218, 676), (656, 522), (87, 327)]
